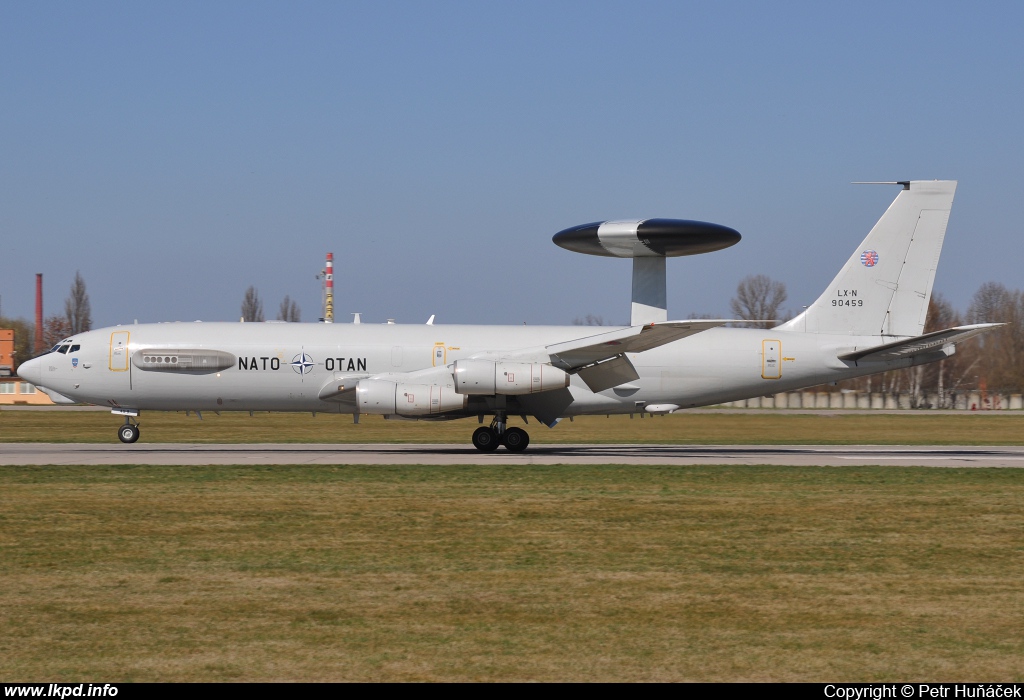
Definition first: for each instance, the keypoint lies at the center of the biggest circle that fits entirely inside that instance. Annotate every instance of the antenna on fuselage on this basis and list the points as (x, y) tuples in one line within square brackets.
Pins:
[(648, 242)]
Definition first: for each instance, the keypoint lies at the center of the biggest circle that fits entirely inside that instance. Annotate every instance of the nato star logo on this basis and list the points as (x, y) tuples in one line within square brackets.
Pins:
[(302, 363)]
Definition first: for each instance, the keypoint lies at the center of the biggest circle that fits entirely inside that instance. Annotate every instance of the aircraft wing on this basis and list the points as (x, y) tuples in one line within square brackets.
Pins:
[(581, 352), (921, 344), (601, 360)]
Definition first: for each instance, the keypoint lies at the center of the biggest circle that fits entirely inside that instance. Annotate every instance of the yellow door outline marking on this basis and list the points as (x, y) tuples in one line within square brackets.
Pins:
[(123, 348), (444, 355), (771, 365)]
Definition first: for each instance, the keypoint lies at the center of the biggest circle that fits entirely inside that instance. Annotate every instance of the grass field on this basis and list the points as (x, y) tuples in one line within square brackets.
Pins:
[(509, 573), (739, 428)]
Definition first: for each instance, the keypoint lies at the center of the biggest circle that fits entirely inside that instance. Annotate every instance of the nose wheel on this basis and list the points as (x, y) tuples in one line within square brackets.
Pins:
[(129, 432)]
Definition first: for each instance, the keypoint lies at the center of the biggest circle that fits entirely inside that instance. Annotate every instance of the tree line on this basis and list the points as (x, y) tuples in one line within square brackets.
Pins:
[(252, 308)]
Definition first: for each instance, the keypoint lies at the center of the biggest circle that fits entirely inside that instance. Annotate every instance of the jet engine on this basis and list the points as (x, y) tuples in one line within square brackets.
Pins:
[(487, 378), (383, 397)]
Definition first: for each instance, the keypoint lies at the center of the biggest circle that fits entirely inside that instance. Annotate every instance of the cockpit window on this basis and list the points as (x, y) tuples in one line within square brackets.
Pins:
[(63, 347)]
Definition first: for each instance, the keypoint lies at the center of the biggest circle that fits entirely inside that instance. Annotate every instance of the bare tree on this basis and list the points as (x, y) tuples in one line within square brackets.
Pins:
[(941, 315), (989, 303), (289, 311), (758, 298), (1000, 352), (56, 329), (77, 310), (588, 320), (252, 306)]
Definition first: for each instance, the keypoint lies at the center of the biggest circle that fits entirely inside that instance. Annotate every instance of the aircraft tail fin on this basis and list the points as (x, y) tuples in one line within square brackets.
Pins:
[(884, 288)]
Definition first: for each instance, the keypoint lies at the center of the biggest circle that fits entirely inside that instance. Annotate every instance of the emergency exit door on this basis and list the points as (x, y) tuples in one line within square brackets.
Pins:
[(771, 359), (119, 351)]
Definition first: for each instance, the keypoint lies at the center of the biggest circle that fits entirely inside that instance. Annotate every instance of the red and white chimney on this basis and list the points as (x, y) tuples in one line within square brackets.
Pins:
[(329, 283), (39, 313)]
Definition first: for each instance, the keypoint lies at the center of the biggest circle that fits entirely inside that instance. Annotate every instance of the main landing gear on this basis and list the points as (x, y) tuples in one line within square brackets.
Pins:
[(129, 432), (490, 439)]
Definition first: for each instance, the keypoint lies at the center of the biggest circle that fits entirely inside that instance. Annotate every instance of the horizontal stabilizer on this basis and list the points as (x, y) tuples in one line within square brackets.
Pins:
[(575, 354), (902, 349)]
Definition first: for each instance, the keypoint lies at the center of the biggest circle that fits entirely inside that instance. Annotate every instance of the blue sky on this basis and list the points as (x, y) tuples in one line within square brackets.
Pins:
[(176, 153)]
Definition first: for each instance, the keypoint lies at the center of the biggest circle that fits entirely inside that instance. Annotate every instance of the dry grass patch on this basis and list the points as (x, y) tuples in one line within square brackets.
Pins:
[(767, 428), (511, 573)]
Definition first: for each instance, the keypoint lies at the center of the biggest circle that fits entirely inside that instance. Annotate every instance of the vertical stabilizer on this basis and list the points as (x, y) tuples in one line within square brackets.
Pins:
[(884, 288)]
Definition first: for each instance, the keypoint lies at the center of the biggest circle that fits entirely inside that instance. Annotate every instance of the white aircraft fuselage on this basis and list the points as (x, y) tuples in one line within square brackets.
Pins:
[(869, 319), (268, 372)]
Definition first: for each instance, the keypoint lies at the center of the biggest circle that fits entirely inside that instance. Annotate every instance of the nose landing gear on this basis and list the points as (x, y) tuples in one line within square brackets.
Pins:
[(129, 432)]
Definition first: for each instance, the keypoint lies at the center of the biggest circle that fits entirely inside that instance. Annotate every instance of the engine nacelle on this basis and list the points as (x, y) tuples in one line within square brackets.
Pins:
[(487, 378), (383, 397)]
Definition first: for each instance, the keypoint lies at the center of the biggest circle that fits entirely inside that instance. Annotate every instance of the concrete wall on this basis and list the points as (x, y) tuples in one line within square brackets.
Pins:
[(847, 400)]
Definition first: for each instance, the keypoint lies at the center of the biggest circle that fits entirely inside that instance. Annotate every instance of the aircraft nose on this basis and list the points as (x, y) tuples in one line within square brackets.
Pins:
[(31, 370)]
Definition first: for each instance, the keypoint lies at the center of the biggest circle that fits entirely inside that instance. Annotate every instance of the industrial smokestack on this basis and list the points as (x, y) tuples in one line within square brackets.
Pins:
[(39, 313), (329, 282)]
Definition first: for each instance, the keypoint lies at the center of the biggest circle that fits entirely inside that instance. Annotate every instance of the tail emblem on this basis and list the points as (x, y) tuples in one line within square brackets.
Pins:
[(869, 258)]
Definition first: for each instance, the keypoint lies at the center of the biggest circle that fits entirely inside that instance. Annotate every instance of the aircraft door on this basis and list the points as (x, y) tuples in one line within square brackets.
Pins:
[(440, 358), (771, 359), (118, 351)]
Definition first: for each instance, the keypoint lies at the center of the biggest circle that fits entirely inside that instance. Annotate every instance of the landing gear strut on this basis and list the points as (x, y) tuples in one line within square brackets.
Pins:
[(489, 439), (129, 432)]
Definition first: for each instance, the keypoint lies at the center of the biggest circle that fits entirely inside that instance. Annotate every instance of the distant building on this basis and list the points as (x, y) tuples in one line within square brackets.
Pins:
[(14, 390), (6, 352)]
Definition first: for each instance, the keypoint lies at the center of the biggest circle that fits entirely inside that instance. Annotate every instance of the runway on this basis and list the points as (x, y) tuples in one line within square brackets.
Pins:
[(249, 454)]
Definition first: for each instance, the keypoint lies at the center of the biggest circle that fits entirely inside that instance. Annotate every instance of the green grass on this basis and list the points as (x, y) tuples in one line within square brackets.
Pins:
[(511, 573), (746, 428)]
